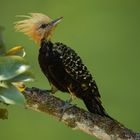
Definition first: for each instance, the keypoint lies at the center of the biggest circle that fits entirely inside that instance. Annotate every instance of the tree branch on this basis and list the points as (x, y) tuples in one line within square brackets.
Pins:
[(77, 118)]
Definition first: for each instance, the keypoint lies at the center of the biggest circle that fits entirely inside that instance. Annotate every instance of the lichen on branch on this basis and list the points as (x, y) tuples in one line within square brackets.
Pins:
[(77, 118)]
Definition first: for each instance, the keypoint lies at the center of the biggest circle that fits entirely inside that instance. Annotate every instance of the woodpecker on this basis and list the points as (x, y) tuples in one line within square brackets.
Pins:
[(61, 65)]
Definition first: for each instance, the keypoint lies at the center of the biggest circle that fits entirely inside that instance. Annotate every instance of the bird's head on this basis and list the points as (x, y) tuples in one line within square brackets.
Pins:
[(37, 26)]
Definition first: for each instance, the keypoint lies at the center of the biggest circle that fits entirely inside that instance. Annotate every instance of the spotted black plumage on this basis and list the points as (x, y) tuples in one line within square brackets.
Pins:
[(66, 71)]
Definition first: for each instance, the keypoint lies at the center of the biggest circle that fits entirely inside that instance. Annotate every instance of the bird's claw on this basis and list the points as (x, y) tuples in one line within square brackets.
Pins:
[(65, 107)]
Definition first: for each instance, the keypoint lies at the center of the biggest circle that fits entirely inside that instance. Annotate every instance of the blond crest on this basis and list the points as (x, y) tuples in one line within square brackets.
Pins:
[(30, 25)]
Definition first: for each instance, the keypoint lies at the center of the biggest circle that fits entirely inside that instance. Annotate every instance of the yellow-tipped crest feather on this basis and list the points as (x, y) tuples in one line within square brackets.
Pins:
[(30, 25)]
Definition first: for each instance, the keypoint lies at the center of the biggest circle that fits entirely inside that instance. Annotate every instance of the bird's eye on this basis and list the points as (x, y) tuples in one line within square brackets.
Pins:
[(43, 26)]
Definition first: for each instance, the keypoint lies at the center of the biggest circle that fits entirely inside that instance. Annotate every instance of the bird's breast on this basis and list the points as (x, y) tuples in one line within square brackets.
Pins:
[(52, 68)]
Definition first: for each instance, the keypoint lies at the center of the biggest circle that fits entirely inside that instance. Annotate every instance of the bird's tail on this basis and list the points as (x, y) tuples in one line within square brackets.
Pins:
[(94, 105)]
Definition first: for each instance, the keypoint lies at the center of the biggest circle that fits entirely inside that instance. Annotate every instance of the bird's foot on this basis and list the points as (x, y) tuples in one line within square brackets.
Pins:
[(65, 107)]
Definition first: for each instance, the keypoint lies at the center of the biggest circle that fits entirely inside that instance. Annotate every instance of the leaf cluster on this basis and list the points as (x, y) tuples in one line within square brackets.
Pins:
[(14, 72)]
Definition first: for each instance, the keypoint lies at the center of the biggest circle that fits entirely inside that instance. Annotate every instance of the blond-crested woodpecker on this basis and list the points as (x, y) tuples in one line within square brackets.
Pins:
[(61, 64)]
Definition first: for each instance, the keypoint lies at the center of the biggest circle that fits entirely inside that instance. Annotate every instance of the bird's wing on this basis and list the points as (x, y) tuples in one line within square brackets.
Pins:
[(75, 68)]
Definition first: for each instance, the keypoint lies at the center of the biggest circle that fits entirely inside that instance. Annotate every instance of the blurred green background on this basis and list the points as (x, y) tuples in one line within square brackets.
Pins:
[(106, 34)]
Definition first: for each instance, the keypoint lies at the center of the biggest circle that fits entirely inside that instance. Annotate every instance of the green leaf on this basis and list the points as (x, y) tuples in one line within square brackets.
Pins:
[(18, 50), (11, 95), (3, 84), (11, 66), (24, 77)]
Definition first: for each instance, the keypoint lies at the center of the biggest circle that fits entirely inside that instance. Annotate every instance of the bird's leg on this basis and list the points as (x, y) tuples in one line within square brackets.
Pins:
[(53, 89), (72, 97), (67, 104)]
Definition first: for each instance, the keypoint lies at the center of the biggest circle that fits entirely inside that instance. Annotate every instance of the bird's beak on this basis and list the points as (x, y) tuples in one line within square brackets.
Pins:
[(56, 21)]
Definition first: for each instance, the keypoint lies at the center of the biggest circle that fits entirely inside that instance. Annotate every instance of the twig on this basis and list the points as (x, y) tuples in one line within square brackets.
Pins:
[(77, 118)]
